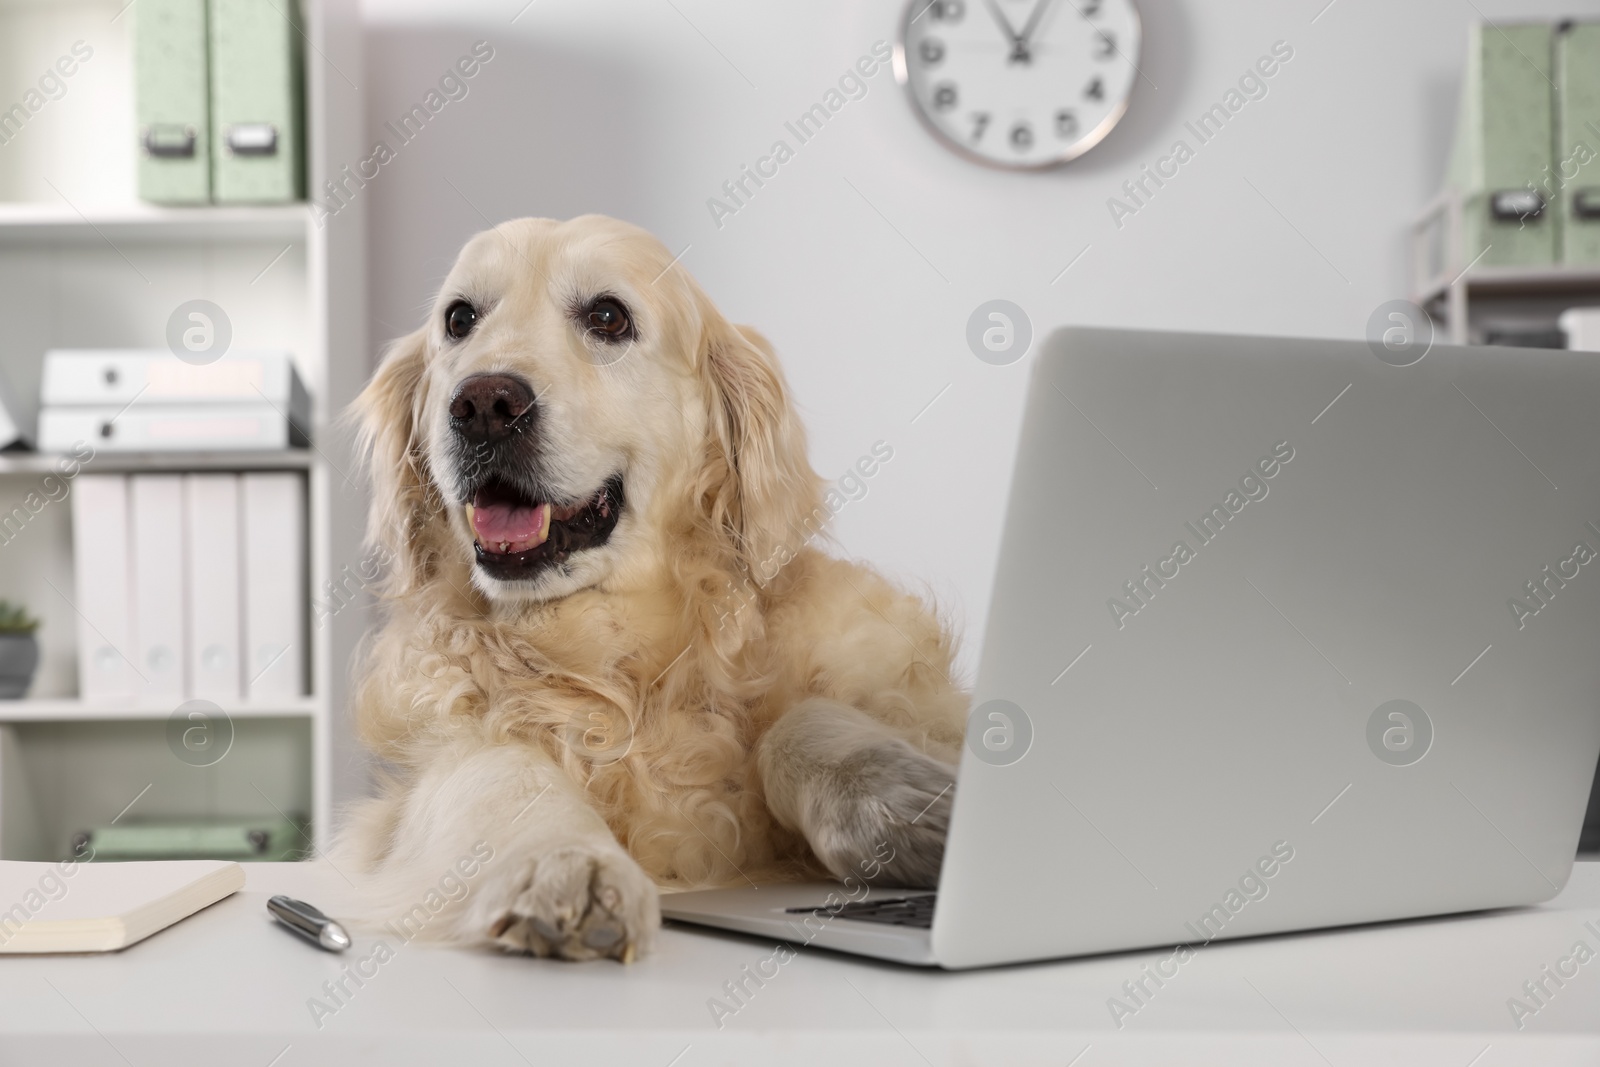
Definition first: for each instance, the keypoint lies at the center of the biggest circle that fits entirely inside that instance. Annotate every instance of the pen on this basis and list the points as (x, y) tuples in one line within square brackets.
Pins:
[(309, 923)]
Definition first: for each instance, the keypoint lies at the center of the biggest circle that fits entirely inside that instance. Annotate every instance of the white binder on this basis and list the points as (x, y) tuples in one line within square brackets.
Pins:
[(275, 592), (168, 428), (211, 515), (101, 555), (156, 508), (79, 377)]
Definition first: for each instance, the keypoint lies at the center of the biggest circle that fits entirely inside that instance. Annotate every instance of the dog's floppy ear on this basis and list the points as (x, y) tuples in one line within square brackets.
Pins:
[(405, 508), (768, 499)]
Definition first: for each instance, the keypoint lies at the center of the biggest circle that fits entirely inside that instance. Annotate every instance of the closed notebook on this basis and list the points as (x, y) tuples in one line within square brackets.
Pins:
[(103, 907)]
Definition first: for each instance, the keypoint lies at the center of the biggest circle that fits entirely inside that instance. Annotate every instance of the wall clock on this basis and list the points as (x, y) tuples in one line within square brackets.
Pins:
[(1020, 84)]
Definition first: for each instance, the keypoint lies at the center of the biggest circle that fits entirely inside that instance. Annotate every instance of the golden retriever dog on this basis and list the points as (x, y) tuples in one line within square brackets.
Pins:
[(611, 656)]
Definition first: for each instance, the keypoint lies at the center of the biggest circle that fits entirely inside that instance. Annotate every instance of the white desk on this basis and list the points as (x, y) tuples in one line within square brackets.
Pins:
[(226, 987)]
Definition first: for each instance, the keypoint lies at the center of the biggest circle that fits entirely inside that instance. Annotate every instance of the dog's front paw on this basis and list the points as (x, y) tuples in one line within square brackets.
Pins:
[(580, 902), (882, 815)]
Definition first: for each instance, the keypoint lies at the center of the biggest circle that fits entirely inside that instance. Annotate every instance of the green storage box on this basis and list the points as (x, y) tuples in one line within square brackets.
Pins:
[(171, 101), (1503, 139), (265, 839), (257, 102), (1576, 166)]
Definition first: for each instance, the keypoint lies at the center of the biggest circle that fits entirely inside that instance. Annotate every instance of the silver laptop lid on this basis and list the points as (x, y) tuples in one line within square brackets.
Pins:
[(1282, 636)]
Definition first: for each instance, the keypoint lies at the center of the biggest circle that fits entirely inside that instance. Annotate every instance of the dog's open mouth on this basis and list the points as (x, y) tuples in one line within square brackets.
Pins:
[(516, 536)]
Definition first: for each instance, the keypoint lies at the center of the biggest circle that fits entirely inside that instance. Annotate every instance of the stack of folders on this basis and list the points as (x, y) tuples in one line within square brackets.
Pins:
[(151, 401), (217, 92), (190, 586), (1526, 160)]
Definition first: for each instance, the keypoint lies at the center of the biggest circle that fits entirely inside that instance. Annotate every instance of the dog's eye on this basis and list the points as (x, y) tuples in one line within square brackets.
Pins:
[(459, 319), (609, 319)]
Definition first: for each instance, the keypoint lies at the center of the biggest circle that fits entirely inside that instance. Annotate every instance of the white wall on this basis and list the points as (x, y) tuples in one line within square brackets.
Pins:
[(642, 108)]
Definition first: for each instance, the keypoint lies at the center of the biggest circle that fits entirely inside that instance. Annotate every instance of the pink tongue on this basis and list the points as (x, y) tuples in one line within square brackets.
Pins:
[(507, 522)]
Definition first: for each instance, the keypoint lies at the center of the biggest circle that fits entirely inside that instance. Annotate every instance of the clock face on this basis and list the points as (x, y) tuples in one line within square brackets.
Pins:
[(1019, 83)]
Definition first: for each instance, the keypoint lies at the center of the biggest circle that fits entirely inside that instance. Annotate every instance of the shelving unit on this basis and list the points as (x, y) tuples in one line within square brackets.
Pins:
[(57, 224), (112, 462), (84, 264), (1447, 282), (71, 709)]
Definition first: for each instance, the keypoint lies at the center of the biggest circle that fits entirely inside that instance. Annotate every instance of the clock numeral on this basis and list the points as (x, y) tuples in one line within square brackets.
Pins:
[(1105, 46), (931, 50), (1095, 90), (946, 10), (980, 122), (1090, 8), (944, 96), (1021, 137), (1066, 123)]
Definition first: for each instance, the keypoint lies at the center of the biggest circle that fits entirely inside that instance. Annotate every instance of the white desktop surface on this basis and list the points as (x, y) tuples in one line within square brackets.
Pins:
[(228, 987)]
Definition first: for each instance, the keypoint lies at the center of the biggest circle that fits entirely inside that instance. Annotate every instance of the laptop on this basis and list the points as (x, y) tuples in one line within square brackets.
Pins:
[(1283, 636)]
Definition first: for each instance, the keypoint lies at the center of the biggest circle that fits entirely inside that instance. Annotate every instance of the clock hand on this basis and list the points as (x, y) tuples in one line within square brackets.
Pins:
[(1019, 41), (1005, 25), (1048, 19), (1026, 38)]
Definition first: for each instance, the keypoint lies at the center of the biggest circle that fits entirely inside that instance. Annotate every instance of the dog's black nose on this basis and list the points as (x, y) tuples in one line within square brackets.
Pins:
[(491, 407)]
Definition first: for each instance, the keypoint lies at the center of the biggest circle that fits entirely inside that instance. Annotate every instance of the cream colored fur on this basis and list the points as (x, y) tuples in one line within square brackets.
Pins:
[(705, 700)]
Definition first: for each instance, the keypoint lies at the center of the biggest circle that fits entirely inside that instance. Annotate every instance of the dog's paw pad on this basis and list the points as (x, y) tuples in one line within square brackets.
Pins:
[(581, 903)]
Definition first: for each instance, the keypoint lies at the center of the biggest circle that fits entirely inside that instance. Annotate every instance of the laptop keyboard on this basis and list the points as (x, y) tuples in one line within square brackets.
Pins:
[(914, 911)]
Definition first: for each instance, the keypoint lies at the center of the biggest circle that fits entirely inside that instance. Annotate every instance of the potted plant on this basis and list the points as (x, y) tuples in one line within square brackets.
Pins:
[(19, 651)]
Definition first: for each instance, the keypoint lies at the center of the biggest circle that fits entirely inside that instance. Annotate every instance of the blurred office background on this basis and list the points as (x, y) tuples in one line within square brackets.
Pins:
[(862, 259)]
